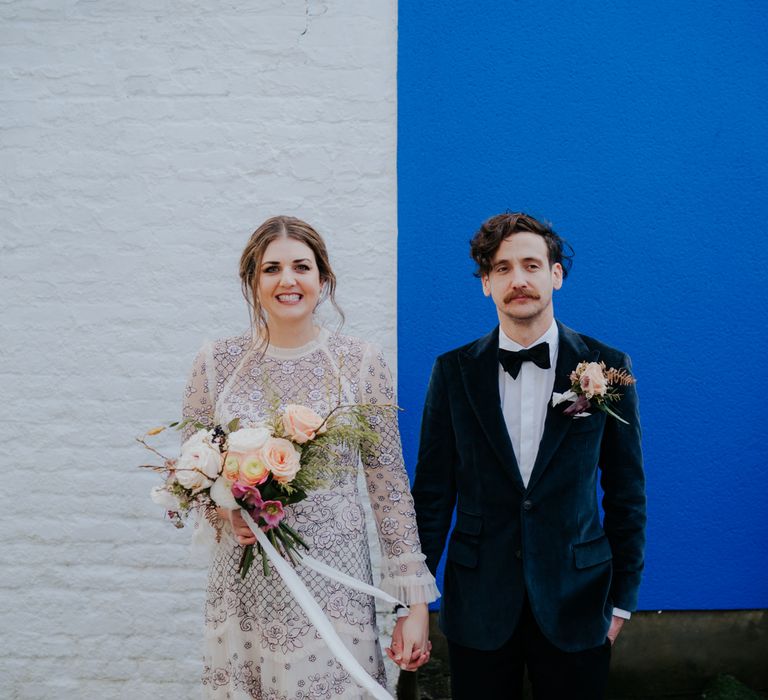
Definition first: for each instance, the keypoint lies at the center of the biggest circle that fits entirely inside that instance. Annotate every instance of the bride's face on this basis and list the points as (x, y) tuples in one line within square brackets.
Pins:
[(289, 283)]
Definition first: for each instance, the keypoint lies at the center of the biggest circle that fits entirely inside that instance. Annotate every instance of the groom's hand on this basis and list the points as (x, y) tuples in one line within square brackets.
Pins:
[(411, 647), (613, 631)]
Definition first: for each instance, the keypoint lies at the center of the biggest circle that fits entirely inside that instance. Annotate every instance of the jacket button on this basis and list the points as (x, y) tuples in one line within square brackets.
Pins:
[(527, 505), (518, 554)]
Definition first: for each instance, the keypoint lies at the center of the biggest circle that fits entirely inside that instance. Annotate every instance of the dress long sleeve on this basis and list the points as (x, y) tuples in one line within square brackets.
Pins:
[(199, 400), (405, 573), (198, 404)]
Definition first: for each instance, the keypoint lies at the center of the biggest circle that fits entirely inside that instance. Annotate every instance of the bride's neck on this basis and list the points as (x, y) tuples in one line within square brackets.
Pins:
[(292, 335)]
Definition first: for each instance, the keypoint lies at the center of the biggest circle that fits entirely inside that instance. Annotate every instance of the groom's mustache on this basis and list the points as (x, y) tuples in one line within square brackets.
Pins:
[(520, 293)]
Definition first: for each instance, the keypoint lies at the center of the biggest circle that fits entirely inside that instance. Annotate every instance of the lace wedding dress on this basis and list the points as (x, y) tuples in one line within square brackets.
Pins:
[(259, 643)]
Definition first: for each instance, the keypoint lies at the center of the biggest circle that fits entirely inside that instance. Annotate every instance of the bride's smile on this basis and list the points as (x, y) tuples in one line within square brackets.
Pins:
[(289, 289)]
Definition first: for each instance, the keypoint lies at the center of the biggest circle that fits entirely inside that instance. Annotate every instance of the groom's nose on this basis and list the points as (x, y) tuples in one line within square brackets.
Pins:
[(517, 278)]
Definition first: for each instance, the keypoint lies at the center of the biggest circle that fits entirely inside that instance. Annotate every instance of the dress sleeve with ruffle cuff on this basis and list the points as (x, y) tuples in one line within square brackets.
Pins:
[(408, 579)]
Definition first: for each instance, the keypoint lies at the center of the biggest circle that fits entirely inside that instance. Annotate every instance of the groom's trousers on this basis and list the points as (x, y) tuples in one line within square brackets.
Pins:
[(554, 674)]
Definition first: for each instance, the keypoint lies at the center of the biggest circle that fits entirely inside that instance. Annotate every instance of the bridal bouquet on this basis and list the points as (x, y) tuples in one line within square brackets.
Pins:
[(260, 469), (592, 383)]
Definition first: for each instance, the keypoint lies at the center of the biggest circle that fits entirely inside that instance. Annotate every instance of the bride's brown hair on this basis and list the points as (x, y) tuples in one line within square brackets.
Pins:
[(250, 266)]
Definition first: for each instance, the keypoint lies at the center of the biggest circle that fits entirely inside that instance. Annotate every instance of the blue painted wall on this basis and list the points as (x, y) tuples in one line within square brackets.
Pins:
[(639, 131)]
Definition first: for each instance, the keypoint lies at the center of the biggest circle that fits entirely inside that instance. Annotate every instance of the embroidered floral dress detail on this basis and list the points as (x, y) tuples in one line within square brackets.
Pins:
[(259, 643)]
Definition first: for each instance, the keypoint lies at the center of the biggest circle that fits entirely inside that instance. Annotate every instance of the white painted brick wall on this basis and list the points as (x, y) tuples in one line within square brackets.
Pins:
[(142, 141)]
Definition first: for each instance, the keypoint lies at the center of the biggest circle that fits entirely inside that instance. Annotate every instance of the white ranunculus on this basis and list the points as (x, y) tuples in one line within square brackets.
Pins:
[(200, 462), (221, 494), (163, 497), (247, 439)]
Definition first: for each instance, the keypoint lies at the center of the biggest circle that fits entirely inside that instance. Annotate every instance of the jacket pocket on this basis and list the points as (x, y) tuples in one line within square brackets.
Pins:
[(462, 552), (592, 553), (584, 425), (468, 523)]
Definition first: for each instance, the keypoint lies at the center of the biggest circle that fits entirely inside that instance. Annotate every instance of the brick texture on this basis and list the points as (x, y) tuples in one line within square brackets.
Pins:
[(141, 143)]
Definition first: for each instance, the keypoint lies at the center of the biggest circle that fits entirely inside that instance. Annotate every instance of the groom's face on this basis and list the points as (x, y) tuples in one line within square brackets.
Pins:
[(521, 280)]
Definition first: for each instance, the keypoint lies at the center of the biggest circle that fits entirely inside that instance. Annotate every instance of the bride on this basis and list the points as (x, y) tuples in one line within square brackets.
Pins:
[(259, 642)]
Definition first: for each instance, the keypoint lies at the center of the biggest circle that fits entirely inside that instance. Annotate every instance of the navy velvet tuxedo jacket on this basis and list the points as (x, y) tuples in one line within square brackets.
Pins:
[(545, 541)]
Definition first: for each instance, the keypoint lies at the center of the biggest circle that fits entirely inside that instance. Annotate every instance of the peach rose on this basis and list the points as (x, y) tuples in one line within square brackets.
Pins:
[(301, 423), (593, 381), (282, 459), (253, 468)]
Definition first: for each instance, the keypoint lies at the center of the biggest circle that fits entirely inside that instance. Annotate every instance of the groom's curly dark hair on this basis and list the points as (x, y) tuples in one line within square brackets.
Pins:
[(493, 231)]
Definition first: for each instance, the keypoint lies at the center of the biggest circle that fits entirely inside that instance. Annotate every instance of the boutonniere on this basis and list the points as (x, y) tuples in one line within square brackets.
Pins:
[(592, 385)]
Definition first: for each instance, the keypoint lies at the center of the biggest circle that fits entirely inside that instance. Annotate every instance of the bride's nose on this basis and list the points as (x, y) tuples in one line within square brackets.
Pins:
[(287, 278)]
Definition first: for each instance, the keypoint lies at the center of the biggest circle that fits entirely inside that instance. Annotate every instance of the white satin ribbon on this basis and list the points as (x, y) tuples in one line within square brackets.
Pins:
[(315, 613)]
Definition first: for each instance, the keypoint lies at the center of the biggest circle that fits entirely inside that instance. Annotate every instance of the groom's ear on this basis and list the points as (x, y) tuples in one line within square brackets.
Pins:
[(486, 280), (557, 276)]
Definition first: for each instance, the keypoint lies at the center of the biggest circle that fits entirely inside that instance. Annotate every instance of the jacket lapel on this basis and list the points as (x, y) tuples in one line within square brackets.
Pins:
[(479, 368), (571, 351)]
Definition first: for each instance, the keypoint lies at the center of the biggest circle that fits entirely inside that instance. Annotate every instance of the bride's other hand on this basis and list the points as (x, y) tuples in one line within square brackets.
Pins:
[(241, 531), (411, 647)]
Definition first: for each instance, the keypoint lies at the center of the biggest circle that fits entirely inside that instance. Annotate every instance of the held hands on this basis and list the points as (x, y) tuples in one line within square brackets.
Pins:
[(241, 531), (613, 631), (410, 639)]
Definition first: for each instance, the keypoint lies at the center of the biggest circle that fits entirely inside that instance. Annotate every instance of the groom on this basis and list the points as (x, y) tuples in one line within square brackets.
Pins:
[(533, 577)]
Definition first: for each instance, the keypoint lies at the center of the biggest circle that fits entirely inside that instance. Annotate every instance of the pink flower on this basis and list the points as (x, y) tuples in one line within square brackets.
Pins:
[(272, 512), (248, 494), (301, 424), (593, 381), (282, 459)]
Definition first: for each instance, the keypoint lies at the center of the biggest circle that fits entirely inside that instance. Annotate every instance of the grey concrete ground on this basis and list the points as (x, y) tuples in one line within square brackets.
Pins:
[(669, 655)]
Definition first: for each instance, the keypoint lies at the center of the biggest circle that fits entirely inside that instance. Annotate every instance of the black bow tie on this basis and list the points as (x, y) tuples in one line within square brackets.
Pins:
[(512, 361)]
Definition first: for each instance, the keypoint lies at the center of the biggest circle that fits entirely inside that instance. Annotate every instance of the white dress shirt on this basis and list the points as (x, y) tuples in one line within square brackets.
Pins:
[(524, 400), (524, 403)]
